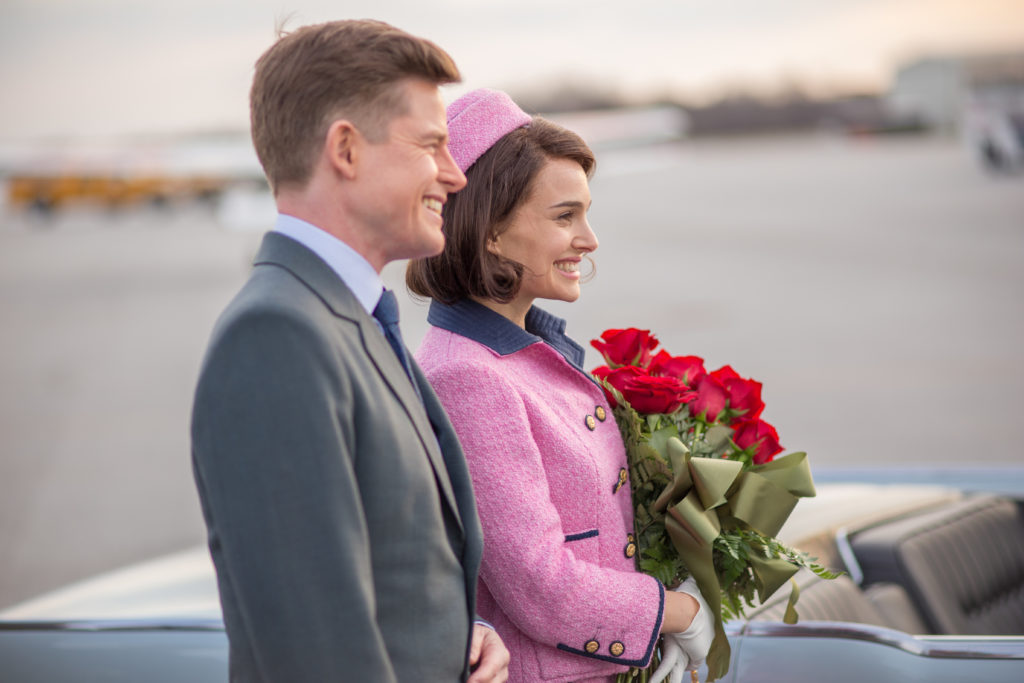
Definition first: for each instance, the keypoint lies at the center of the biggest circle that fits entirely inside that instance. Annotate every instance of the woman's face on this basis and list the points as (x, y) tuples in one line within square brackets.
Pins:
[(549, 233)]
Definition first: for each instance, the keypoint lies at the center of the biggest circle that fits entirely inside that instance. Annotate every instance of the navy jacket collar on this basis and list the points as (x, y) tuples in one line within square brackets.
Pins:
[(479, 323)]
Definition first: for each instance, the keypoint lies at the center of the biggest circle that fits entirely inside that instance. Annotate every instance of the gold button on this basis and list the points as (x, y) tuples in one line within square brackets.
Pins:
[(623, 477), (592, 646), (601, 414), (617, 648), (630, 550), (631, 538), (590, 422)]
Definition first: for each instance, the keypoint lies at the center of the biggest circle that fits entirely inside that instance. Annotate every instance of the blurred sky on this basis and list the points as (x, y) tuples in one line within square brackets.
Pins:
[(107, 67)]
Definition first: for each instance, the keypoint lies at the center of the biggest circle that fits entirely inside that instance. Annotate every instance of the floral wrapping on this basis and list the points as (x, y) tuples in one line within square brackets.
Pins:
[(709, 493)]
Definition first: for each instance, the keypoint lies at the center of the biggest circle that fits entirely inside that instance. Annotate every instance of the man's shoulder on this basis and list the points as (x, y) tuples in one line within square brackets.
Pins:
[(274, 307), (289, 273), (277, 291)]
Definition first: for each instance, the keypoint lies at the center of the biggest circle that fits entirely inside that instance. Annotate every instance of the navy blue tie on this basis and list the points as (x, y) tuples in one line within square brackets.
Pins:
[(386, 314)]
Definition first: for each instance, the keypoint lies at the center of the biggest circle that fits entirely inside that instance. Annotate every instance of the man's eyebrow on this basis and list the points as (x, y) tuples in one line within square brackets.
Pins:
[(436, 136)]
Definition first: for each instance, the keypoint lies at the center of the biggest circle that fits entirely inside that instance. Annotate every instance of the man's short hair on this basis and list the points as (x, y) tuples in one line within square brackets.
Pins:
[(318, 74), (497, 184)]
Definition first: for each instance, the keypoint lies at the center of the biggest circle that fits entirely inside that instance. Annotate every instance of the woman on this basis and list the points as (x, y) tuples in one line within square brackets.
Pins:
[(558, 579)]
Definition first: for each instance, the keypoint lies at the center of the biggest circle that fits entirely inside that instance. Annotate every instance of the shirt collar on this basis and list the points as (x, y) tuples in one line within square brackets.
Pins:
[(479, 323), (354, 270)]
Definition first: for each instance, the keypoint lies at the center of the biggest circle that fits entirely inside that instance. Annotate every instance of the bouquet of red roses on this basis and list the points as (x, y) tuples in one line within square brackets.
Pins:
[(709, 494)]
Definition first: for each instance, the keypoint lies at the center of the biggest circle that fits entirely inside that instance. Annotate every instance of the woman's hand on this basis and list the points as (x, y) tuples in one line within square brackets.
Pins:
[(687, 649), (674, 662)]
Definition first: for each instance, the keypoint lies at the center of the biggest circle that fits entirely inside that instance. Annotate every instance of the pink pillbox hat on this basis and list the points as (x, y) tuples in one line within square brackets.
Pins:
[(477, 120)]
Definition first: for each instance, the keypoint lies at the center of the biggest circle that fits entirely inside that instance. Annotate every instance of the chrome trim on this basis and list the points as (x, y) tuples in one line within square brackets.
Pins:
[(939, 647), (847, 556), (115, 625)]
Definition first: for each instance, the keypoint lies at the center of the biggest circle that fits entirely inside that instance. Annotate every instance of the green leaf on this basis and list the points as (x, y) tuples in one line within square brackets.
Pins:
[(658, 440), (718, 436)]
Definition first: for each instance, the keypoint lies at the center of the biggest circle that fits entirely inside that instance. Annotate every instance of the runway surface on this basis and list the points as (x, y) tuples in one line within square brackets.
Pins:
[(874, 286)]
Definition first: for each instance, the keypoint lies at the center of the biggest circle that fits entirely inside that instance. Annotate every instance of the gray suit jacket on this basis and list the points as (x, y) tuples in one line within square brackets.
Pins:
[(340, 511)]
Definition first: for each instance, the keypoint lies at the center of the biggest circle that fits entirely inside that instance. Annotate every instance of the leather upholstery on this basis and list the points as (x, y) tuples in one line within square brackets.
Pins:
[(841, 599), (962, 565)]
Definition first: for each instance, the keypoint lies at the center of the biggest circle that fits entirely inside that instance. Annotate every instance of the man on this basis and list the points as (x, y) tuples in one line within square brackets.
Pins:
[(340, 513)]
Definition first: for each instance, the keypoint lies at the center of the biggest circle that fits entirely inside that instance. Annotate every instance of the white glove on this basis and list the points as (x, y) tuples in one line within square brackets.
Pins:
[(686, 651), (674, 661)]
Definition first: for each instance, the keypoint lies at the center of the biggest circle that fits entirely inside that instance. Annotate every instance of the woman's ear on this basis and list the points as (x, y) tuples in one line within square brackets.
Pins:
[(343, 148), (492, 245)]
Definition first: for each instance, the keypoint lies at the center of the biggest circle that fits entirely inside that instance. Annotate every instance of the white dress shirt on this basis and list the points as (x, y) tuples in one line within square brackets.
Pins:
[(354, 270)]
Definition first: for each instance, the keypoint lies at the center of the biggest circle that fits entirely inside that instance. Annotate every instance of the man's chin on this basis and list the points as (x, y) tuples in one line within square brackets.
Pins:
[(428, 247)]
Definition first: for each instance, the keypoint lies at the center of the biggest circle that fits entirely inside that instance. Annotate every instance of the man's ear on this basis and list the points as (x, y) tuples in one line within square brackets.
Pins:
[(343, 147)]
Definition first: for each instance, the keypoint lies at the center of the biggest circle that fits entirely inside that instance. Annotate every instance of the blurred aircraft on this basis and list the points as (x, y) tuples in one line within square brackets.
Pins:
[(53, 175)]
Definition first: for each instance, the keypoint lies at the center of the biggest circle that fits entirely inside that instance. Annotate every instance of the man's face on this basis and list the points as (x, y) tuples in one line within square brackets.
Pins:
[(405, 180)]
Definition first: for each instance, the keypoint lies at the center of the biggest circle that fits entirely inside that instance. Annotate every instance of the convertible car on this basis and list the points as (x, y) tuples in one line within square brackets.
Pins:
[(932, 590)]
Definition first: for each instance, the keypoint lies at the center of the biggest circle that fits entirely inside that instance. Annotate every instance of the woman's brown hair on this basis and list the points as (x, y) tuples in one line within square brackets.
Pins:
[(497, 184)]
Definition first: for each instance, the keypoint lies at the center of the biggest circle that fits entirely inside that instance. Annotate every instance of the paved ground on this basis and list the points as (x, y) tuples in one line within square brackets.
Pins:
[(875, 287)]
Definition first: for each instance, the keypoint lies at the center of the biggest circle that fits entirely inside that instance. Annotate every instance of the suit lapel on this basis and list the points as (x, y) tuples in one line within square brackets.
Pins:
[(451, 450), (307, 266), (390, 368)]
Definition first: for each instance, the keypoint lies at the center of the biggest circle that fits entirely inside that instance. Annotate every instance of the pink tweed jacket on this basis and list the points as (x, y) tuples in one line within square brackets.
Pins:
[(557, 580)]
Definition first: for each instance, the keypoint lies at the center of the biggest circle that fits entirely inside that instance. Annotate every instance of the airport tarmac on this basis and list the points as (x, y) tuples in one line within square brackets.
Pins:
[(873, 285)]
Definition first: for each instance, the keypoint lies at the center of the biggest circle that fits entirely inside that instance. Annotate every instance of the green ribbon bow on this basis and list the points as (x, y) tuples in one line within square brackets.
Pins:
[(708, 495)]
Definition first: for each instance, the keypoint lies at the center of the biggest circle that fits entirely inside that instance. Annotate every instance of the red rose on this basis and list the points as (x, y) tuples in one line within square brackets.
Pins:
[(617, 378), (690, 369), (711, 398), (725, 373), (760, 436), (648, 394), (626, 347), (744, 394)]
